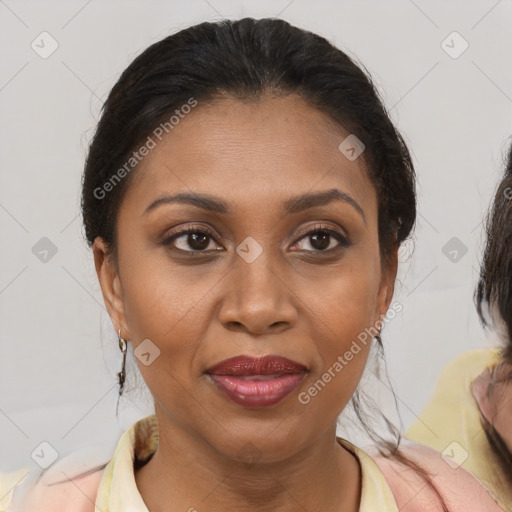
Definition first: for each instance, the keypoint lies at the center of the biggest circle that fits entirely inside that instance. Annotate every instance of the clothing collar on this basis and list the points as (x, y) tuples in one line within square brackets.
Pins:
[(118, 490)]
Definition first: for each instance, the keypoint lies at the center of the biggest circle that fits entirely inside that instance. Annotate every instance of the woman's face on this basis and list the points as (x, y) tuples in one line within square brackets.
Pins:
[(260, 283)]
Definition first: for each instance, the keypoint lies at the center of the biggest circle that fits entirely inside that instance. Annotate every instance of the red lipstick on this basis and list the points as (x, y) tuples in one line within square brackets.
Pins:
[(257, 382)]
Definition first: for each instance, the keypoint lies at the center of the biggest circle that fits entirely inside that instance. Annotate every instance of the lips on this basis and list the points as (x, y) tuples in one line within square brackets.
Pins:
[(267, 365), (257, 382)]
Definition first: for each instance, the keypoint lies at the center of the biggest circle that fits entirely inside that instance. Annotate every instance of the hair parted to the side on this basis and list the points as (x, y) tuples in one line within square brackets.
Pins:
[(246, 59)]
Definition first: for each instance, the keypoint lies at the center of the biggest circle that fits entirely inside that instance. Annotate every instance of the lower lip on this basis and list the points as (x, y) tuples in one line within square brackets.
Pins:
[(257, 393)]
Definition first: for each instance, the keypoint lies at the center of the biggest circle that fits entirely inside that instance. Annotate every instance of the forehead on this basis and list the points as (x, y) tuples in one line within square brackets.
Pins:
[(251, 151)]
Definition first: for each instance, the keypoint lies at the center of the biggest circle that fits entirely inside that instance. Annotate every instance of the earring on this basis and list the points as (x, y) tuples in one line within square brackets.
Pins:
[(378, 338), (122, 374)]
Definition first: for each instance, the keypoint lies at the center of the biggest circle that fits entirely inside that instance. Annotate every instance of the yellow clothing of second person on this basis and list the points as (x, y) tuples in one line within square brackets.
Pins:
[(451, 423)]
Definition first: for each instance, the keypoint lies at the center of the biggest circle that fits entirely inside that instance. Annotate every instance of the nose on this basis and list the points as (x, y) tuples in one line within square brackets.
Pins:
[(257, 298)]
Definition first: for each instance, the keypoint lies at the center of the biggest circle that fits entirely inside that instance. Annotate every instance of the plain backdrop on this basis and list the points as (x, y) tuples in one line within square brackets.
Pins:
[(443, 70)]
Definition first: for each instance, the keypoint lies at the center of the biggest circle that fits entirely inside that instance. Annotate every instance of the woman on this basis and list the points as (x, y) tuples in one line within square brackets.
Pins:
[(245, 196), (472, 403)]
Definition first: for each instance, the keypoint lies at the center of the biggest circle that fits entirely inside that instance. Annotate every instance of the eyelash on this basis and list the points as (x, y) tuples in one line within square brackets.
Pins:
[(343, 241)]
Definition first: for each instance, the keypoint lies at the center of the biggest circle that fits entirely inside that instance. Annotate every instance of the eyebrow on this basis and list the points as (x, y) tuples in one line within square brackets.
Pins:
[(290, 206)]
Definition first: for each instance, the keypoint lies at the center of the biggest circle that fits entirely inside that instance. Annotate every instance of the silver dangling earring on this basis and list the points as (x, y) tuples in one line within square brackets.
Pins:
[(122, 374), (378, 338)]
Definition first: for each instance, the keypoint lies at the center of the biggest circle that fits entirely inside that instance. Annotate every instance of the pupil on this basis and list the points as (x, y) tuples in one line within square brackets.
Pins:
[(203, 241), (325, 240)]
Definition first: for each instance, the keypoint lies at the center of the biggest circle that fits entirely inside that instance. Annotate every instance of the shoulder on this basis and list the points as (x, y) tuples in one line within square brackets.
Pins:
[(76, 494), (454, 382), (469, 365), (459, 490), (9, 482), (69, 485), (452, 407)]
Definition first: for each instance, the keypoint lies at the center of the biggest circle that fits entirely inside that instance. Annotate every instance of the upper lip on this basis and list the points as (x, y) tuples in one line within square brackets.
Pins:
[(265, 365)]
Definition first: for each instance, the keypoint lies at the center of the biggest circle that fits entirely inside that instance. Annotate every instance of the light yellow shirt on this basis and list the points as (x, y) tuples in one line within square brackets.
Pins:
[(111, 486), (9, 481), (118, 490), (452, 416)]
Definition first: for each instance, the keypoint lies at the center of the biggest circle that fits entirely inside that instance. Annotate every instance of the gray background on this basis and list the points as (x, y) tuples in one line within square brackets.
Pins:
[(59, 351)]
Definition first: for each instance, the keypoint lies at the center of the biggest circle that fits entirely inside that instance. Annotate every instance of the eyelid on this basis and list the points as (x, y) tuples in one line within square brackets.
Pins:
[(187, 229), (342, 239), (318, 226)]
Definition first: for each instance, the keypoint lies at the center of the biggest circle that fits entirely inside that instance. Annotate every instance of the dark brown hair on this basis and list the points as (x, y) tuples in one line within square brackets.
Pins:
[(494, 288), (245, 59)]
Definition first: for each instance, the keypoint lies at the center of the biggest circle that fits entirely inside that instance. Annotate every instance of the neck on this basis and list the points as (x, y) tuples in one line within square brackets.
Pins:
[(189, 473)]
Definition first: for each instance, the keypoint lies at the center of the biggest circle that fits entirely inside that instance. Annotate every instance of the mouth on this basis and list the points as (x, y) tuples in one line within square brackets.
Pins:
[(257, 382)]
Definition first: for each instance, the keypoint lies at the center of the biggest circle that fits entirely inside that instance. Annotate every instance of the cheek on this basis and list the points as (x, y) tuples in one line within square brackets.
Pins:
[(342, 354), (344, 314), (159, 295), (166, 306), (346, 303), (172, 323)]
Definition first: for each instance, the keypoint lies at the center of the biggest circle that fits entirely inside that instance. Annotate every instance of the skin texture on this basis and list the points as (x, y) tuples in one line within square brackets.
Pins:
[(493, 393), (293, 300), (492, 389)]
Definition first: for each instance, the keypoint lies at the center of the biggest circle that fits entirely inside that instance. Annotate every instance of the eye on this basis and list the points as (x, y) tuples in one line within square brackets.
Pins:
[(320, 239), (194, 238)]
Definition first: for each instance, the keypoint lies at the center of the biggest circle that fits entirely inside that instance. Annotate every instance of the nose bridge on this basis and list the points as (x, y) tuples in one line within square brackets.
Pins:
[(254, 270), (256, 295), (254, 273)]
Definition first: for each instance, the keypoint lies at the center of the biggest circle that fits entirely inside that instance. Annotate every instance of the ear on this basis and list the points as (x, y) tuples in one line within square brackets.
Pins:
[(480, 389), (387, 282), (110, 284)]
